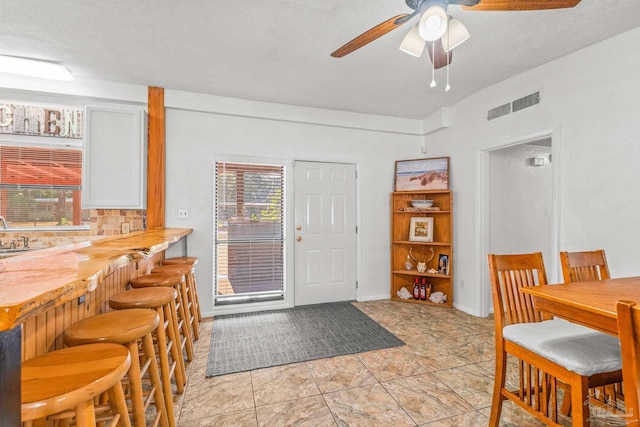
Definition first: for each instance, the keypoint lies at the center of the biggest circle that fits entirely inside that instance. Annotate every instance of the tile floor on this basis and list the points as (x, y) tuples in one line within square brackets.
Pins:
[(442, 377)]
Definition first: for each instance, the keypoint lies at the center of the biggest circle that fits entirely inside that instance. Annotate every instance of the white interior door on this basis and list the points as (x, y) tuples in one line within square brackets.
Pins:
[(325, 232)]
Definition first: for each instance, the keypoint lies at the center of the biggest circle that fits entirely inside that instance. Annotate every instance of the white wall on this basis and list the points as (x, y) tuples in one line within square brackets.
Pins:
[(590, 102), (201, 129), (520, 202)]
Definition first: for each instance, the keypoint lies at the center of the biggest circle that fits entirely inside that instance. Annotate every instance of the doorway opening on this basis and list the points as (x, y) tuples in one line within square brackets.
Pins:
[(518, 200)]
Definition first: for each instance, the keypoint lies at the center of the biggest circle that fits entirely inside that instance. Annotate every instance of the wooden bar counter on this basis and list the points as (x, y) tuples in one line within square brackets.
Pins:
[(42, 292)]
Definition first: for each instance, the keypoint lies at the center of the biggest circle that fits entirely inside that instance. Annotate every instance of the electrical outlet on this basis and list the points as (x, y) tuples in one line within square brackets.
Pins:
[(125, 228), (183, 213)]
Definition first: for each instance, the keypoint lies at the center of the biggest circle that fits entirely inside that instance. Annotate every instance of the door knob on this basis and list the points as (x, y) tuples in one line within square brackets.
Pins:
[(298, 227), (299, 238)]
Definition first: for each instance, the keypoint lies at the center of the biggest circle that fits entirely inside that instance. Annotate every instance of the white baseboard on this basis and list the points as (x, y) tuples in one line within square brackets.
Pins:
[(375, 297), (467, 310)]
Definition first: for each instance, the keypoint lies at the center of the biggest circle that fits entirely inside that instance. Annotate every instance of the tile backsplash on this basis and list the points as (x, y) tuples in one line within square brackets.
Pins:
[(108, 222), (104, 222)]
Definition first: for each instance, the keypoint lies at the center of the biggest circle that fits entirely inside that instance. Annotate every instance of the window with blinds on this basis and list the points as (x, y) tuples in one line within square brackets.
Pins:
[(249, 232), (41, 186)]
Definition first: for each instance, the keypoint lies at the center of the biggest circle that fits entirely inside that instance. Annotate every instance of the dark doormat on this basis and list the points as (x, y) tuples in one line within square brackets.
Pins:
[(242, 342)]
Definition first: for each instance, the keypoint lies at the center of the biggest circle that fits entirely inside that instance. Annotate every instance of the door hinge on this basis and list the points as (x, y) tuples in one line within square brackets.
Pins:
[(356, 284), (356, 229), (356, 174)]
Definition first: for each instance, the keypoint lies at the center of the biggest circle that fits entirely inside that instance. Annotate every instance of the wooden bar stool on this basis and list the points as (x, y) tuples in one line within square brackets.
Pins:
[(159, 299), (175, 281), (67, 380), (189, 260), (188, 293), (127, 327)]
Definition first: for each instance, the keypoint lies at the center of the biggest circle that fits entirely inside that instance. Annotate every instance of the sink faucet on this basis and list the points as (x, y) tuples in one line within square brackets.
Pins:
[(4, 225)]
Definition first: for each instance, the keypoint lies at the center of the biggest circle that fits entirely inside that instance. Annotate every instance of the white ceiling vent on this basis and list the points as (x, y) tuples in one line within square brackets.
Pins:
[(512, 107)]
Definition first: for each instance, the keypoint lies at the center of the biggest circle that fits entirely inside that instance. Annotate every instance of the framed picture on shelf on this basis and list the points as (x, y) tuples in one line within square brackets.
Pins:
[(422, 174), (421, 229), (443, 264)]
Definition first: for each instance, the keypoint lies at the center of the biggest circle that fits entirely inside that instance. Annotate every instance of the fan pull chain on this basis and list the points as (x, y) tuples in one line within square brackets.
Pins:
[(447, 88), (433, 65)]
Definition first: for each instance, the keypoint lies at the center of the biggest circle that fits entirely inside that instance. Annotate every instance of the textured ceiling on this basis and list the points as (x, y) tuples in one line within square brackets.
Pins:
[(278, 50)]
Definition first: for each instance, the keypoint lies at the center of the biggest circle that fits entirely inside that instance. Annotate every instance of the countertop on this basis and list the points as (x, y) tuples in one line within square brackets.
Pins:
[(38, 280)]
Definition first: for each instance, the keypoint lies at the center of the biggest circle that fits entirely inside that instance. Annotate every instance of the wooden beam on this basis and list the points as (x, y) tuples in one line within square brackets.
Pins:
[(77, 207), (156, 159)]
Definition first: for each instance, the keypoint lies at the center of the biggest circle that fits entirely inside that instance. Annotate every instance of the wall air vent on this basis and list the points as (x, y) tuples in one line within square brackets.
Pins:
[(526, 101), (512, 107), (500, 111)]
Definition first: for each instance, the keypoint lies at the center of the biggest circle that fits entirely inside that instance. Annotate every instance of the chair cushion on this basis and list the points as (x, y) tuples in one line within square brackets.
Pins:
[(575, 347)]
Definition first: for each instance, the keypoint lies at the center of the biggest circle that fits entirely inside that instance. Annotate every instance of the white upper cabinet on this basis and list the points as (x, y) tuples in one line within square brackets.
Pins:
[(114, 157)]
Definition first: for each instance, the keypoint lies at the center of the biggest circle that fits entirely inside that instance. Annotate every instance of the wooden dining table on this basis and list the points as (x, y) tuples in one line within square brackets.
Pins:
[(592, 304)]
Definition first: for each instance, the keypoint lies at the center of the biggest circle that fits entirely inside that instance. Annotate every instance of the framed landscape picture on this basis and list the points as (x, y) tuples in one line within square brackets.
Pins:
[(422, 174), (421, 229)]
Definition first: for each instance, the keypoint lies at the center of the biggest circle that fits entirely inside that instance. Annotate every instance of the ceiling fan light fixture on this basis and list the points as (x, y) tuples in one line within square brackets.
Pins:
[(34, 68), (412, 43), (456, 34), (433, 23)]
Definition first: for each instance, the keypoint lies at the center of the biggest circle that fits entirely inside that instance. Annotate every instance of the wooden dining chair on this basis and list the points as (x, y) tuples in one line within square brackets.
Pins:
[(589, 266), (629, 333), (549, 351), (584, 266)]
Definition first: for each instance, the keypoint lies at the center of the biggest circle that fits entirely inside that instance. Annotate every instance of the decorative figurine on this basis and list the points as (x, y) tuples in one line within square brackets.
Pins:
[(421, 265), (403, 293), (407, 265)]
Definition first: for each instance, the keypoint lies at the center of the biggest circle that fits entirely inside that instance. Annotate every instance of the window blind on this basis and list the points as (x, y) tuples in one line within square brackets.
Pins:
[(249, 232), (40, 186)]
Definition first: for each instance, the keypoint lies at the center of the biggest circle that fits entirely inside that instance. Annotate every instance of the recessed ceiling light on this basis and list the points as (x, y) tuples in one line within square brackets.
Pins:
[(34, 68)]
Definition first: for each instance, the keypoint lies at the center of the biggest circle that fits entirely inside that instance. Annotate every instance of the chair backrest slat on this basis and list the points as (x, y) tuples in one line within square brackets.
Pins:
[(629, 334), (584, 266), (508, 274)]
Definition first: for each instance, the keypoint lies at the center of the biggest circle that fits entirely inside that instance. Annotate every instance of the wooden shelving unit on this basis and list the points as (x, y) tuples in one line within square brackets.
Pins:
[(401, 214)]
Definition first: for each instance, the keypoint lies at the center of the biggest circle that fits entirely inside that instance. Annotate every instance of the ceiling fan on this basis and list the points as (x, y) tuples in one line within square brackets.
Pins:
[(437, 27)]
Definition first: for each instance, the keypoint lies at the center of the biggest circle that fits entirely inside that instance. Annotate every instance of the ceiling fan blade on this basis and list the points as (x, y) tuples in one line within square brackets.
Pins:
[(496, 5), (369, 36), (440, 59)]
